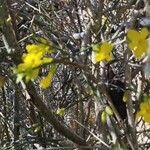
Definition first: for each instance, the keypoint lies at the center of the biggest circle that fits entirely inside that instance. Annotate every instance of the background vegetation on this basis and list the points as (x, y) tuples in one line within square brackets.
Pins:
[(52, 93)]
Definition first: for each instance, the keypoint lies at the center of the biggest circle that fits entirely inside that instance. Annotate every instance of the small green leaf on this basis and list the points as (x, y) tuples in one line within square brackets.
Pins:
[(103, 117), (117, 146), (43, 40), (31, 74), (109, 111), (126, 96), (60, 111), (19, 77), (146, 97), (96, 47)]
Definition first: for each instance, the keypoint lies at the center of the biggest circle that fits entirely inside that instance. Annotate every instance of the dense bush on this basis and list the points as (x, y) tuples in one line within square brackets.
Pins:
[(74, 74)]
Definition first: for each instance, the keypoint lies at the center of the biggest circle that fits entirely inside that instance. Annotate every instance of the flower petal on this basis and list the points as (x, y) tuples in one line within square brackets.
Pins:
[(143, 45), (107, 47), (133, 35), (138, 53), (108, 58), (144, 33), (147, 118), (132, 45), (99, 57), (144, 111)]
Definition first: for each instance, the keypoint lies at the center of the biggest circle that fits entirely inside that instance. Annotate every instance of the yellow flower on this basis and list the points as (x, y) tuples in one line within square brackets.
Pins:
[(138, 42), (144, 111), (34, 58), (35, 48), (101, 52), (47, 81)]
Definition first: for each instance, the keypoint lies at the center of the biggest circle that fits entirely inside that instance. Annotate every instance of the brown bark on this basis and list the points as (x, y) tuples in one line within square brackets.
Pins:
[(50, 117)]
